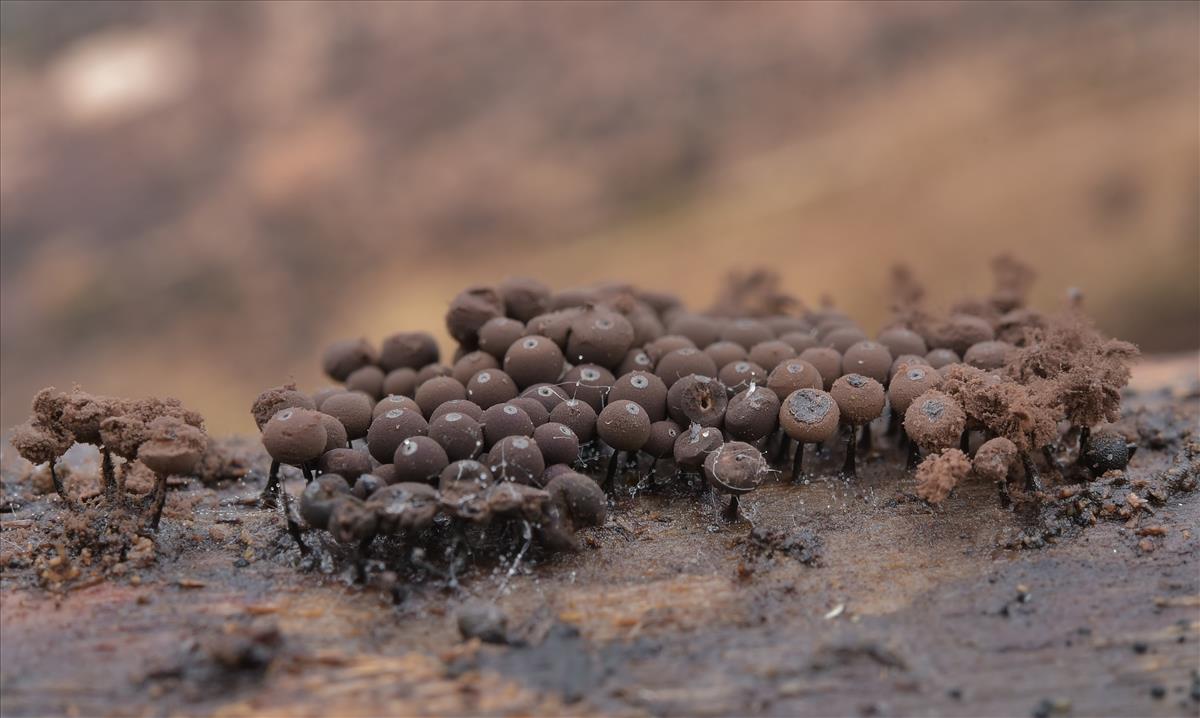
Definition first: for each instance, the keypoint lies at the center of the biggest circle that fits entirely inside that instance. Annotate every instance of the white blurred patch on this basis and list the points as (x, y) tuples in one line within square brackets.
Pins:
[(116, 76)]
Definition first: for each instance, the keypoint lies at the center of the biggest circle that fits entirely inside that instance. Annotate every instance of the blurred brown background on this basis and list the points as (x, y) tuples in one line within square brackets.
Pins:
[(196, 196)]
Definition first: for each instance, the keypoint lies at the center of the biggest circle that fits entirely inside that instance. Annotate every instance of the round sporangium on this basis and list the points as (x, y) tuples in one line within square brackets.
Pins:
[(498, 334), (860, 400), (799, 341), (636, 359), (939, 358), (702, 331), (391, 428), (295, 436), (272, 401), (869, 359), (351, 408), (900, 340), (393, 401), (518, 459), (490, 387), (666, 344), (697, 400), (368, 380), (432, 371), (503, 420), (843, 338), (534, 360), (662, 438), (739, 375), (559, 445), (694, 444), (524, 298), (725, 353), (402, 382), (599, 337), (623, 425), (438, 391), (791, 375), (470, 310), (347, 463), (589, 383), (934, 421), (988, 355), (316, 503), (537, 413), (746, 332), (458, 434), (644, 388), (578, 415), (462, 406), (752, 414), (408, 350), (344, 356), (735, 468), (471, 363), (827, 361), (684, 362), (549, 395), (419, 459), (771, 353), (1106, 451), (910, 383)]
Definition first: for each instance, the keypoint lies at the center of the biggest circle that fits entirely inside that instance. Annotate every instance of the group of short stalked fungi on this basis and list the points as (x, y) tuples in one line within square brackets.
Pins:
[(158, 434), (547, 389)]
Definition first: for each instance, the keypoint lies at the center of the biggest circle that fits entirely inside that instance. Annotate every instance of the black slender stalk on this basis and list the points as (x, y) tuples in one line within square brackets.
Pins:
[(798, 461), (849, 468), (964, 444), (731, 511), (612, 472), (1085, 435), (1005, 497), (781, 447), (1051, 459), (361, 557), (160, 499), (59, 488), (1033, 482), (120, 475), (293, 527), (106, 473), (270, 492), (914, 455), (308, 473)]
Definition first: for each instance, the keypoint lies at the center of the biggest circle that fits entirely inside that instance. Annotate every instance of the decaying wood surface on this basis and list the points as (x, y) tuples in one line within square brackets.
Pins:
[(884, 606)]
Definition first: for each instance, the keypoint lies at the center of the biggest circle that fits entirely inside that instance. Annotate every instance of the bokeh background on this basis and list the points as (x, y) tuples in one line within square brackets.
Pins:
[(195, 197)]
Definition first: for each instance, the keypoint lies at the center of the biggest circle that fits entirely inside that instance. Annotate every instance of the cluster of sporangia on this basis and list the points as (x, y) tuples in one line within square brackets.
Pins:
[(544, 384), (159, 434)]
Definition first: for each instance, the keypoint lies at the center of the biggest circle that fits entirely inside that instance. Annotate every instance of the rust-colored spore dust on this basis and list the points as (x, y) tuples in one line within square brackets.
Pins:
[(982, 511)]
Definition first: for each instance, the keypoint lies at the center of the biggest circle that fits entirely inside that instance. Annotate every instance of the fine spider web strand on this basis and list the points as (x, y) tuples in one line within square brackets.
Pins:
[(527, 535), (604, 388)]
